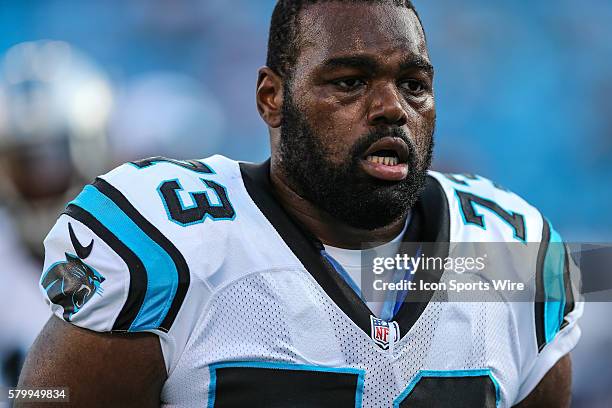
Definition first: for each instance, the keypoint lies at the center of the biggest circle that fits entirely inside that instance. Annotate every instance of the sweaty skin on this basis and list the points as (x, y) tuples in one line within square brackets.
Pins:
[(128, 370), (383, 51)]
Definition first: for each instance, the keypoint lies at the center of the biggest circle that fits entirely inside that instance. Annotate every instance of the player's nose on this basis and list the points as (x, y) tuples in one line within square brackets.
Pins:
[(386, 107)]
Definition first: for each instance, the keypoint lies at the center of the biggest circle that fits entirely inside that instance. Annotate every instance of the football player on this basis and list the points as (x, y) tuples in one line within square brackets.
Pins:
[(223, 284), (45, 125)]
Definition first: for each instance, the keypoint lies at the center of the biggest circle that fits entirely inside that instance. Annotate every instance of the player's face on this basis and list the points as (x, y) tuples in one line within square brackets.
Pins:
[(358, 113)]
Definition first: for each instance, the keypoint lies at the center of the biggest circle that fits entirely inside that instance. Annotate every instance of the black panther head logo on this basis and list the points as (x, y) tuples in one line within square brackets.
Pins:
[(72, 283)]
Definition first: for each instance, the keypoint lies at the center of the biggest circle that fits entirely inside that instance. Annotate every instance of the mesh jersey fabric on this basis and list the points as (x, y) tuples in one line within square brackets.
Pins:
[(234, 292)]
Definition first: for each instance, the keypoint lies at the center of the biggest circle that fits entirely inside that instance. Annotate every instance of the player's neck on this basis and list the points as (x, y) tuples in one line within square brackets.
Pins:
[(326, 228)]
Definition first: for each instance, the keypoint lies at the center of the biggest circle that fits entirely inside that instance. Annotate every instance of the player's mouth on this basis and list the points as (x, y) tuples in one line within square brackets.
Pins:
[(387, 159)]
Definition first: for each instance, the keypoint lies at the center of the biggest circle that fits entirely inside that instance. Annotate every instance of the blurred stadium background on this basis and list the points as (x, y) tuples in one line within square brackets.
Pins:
[(522, 92)]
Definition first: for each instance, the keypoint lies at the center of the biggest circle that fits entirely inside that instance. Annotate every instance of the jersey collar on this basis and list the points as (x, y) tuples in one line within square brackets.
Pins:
[(430, 224)]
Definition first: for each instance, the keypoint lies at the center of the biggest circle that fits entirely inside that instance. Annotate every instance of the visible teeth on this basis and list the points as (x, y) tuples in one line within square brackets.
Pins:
[(387, 161)]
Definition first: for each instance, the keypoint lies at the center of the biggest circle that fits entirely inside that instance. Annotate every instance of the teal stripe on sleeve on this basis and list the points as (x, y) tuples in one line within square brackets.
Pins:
[(554, 288), (162, 275)]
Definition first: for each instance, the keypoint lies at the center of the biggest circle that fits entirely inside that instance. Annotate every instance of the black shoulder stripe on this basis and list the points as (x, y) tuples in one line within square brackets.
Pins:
[(181, 265), (540, 296), (569, 293), (138, 275)]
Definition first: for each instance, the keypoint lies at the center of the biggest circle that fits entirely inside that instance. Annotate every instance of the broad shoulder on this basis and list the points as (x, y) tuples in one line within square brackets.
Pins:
[(148, 182), (481, 209)]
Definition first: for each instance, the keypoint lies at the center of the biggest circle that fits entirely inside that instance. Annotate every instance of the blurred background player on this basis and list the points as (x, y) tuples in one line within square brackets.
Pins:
[(61, 124), (54, 109)]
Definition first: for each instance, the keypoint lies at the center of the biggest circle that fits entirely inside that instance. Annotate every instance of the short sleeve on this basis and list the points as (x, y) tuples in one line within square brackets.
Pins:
[(554, 329), (95, 280), (85, 281), (109, 269), (138, 248)]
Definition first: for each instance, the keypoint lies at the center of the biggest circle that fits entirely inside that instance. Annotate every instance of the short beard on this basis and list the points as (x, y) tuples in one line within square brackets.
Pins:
[(343, 190)]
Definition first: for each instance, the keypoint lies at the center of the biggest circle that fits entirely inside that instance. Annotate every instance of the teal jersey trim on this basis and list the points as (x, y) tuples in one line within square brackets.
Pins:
[(162, 275), (554, 287)]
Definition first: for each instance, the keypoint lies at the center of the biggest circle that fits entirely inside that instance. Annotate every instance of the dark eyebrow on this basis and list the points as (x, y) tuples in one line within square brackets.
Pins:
[(370, 65), (418, 62), (365, 63)]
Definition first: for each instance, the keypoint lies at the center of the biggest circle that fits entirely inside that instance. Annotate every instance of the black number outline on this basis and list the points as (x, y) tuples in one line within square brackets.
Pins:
[(201, 210)]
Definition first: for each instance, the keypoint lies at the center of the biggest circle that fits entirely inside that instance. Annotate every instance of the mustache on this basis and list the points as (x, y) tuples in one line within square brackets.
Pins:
[(362, 145)]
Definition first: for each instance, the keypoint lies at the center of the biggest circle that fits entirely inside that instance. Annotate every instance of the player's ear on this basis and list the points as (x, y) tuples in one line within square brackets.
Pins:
[(270, 96)]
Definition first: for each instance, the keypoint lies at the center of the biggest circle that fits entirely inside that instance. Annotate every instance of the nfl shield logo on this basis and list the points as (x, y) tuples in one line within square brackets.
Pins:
[(383, 333)]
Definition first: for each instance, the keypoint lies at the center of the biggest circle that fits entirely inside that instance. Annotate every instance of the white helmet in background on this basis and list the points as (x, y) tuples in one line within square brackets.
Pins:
[(54, 109)]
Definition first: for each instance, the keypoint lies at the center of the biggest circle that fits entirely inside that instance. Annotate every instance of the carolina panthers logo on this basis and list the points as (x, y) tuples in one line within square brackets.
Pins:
[(73, 283)]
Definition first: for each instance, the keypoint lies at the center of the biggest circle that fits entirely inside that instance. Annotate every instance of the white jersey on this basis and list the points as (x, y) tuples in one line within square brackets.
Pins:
[(250, 312)]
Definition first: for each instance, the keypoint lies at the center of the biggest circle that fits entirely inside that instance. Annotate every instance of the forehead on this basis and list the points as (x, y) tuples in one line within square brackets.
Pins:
[(339, 28)]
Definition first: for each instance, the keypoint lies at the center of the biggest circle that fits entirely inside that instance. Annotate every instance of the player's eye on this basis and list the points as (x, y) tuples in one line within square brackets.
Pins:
[(413, 86), (349, 84)]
